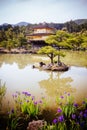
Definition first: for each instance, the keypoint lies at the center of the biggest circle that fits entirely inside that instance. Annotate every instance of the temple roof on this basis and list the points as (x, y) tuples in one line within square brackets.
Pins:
[(41, 26)]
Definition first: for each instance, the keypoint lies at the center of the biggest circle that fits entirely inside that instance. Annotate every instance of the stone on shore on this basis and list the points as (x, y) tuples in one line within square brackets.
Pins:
[(36, 125)]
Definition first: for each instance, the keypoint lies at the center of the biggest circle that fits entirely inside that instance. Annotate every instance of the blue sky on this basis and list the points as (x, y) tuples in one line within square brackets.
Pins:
[(36, 11)]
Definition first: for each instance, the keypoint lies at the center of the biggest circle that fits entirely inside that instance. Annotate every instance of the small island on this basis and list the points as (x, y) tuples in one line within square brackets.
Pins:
[(52, 52), (52, 67)]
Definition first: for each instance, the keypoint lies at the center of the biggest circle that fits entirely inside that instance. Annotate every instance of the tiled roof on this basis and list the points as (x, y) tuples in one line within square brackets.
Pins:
[(43, 26)]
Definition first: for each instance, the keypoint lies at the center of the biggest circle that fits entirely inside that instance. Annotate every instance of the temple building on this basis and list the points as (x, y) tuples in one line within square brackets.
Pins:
[(40, 33)]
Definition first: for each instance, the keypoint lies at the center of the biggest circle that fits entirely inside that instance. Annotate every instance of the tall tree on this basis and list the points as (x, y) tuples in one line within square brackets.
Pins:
[(59, 41)]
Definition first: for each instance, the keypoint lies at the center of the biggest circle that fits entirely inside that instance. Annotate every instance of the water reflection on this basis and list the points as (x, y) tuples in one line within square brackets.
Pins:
[(79, 77), (16, 71), (22, 60), (55, 85)]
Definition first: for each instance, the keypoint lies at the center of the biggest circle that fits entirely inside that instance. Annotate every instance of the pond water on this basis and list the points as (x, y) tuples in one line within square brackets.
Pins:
[(17, 73)]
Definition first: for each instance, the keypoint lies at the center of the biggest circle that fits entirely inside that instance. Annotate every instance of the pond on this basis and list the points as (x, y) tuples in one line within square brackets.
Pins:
[(17, 73)]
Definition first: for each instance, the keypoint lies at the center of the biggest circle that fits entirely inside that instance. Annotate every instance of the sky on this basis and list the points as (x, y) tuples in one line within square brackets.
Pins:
[(37, 11)]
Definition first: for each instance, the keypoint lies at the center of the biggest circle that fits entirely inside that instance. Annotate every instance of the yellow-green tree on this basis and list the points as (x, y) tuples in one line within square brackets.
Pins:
[(59, 41), (49, 51)]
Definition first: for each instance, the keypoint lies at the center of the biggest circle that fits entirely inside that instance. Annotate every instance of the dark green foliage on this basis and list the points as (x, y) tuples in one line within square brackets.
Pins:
[(71, 26), (12, 37)]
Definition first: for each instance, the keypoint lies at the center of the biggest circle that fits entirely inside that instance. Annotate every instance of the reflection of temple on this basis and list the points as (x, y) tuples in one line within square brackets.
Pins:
[(40, 33), (55, 85)]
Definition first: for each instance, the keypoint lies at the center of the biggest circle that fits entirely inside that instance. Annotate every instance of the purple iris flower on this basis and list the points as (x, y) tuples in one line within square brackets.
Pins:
[(59, 110), (61, 97), (86, 111), (85, 115), (75, 105), (81, 113), (61, 118), (55, 121), (73, 116), (33, 97), (68, 94), (24, 93), (28, 94), (35, 103)]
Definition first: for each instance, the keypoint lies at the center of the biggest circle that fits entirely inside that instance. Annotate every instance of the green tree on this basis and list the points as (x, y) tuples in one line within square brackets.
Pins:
[(84, 43), (9, 33), (22, 40), (59, 41), (76, 40), (10, 44), (71, 26), (12, 37), (3, 44), (50, 51), (2, 36)]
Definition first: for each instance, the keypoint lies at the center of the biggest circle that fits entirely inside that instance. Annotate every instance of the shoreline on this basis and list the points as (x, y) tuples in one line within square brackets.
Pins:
[(17, 51)]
